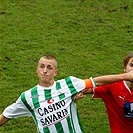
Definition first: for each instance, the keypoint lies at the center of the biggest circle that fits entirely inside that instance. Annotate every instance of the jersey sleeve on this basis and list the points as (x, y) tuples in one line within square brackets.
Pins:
[(78, 83), (16, 110)]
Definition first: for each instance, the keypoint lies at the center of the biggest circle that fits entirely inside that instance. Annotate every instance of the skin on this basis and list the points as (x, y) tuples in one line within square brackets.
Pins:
[(3, 119), (47, 70), (127, 69)]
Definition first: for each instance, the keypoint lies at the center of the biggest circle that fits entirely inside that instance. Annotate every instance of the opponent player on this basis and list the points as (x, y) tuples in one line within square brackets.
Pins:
[(118, 99)]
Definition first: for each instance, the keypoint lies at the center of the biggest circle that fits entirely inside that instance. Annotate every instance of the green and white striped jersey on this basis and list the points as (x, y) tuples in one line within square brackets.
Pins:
[(52, 108)]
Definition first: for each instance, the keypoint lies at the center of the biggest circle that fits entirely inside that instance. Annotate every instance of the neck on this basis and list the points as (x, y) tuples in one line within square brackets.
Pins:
[(46, 84), (129, 84)]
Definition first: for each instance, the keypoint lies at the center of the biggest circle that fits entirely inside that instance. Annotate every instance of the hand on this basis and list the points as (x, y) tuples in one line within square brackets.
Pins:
[(3, 119), (81, 94), (130, 75), (78, 96)]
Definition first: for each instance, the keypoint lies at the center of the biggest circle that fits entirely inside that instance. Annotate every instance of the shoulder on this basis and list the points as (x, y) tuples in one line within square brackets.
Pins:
[(73, 78), (114, 84), (70, 79), (110, 87), (27, 93)]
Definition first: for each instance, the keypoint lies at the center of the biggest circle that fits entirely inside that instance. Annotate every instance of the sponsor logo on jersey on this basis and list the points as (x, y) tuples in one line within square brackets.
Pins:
[(53, 113), (50, 101), (122, 97), (128, 110)]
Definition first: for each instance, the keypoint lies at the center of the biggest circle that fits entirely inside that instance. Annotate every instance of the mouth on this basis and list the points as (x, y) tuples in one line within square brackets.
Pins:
[(44, 76)]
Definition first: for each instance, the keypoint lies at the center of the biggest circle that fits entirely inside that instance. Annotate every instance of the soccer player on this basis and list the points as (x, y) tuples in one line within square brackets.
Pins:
[(118, 99), (51, 103)]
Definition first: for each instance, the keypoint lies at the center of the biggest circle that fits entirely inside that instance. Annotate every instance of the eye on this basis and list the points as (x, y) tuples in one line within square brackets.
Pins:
[(50, 68), (42, 66), (131, 64)]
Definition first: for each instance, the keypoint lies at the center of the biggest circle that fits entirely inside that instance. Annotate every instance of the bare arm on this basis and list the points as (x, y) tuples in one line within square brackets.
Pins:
[(107, 79), (3, 120)]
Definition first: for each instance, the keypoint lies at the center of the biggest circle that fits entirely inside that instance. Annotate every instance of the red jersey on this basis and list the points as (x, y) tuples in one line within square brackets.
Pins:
[(118, 99)]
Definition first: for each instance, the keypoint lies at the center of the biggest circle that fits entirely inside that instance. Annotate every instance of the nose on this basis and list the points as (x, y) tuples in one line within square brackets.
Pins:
[(45, 70)]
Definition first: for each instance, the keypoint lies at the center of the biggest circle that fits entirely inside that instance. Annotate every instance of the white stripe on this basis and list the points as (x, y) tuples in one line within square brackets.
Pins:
[(127, 86), (93, 82), (75, 118), (65, 126)]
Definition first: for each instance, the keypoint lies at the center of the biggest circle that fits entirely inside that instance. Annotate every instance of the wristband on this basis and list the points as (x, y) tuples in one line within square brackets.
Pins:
[(93, 82), (90, 83)]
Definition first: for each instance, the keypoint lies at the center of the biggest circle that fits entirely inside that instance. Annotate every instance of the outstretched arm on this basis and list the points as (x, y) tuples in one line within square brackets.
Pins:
[(3, 120), (107, 79), (102, 80)]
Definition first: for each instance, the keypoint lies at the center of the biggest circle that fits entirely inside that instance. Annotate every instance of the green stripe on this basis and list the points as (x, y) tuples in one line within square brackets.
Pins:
[(58, 125), (58, 86), (46, 130), (47, 94), (61, 96), (80, 123), (35, 99), (78, 120), (23, 99), (59, 128), (73, 92), (70, 86), (69, 124), (72, 117)]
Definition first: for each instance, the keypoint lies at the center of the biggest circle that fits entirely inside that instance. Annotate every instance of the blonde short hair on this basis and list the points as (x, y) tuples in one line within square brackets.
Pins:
[(50, 57)]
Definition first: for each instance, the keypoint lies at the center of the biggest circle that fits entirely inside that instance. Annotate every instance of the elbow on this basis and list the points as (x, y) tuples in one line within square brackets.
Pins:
[(3, 119)]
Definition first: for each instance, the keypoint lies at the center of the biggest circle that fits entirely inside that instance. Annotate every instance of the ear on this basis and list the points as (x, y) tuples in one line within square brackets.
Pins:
[(124, 69), (56, 72), (37, 70)]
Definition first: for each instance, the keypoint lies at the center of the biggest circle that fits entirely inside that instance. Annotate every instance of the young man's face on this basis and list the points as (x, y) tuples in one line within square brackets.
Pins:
[(129, 66), (46, 70)]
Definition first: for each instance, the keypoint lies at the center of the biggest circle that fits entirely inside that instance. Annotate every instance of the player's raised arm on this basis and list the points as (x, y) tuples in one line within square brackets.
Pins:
[(3, 120), (107, 79), (102, 80)]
